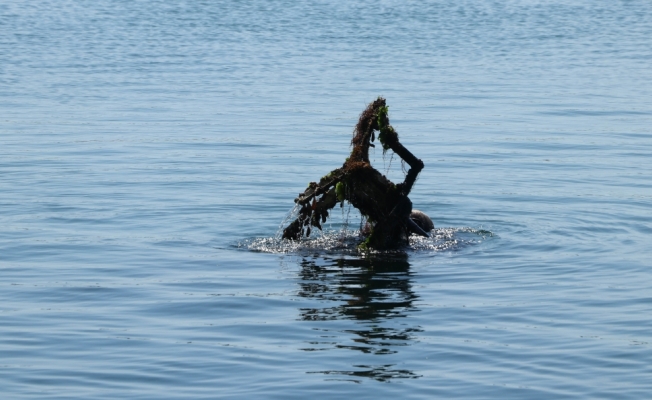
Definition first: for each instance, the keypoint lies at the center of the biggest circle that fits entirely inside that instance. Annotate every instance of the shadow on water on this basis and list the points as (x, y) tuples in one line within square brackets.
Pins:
[(374, 293)]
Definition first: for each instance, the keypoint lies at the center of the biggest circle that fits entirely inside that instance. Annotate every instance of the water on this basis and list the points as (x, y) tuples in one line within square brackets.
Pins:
[(149, 151)]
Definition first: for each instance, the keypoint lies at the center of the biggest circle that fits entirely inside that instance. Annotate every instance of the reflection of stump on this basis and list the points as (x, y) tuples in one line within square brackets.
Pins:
[(384, 204)]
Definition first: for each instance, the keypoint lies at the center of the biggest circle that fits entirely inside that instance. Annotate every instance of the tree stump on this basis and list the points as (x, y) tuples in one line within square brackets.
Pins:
[(385, 205)]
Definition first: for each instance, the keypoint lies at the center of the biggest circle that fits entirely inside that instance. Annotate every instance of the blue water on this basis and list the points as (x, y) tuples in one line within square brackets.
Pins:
[(149, 151)]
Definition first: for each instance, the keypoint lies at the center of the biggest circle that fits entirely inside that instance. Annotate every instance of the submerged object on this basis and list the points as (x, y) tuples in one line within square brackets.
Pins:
[(422, 220), (384, 204)]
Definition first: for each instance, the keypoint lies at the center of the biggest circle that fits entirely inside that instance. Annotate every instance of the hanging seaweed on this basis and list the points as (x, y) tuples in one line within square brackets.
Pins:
[(385, 205)]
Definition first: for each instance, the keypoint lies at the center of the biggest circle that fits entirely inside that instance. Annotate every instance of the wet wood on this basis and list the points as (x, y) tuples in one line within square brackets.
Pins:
[(385, 205)]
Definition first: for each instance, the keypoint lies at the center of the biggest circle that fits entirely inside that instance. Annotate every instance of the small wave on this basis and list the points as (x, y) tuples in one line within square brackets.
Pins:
[(441, 239)]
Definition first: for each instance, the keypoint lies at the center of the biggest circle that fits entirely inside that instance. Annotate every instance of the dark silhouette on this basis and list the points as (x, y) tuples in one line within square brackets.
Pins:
[(385, 205)]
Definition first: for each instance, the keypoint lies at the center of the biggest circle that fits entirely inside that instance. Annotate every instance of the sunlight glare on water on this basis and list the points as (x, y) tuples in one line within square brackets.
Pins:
[(347, 241)]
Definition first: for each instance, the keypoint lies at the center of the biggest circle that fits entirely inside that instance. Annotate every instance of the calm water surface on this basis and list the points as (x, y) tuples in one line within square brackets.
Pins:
[(149, 151)]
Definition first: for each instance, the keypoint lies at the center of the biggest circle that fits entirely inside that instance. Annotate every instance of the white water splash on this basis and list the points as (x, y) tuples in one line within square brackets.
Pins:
[(346, 241)]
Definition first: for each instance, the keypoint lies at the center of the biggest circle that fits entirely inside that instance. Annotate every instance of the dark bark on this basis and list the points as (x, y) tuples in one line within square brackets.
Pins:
[(384, 204)]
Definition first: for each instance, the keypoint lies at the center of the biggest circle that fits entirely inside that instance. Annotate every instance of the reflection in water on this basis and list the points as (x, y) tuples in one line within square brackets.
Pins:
[(381, 373), (375, 293)]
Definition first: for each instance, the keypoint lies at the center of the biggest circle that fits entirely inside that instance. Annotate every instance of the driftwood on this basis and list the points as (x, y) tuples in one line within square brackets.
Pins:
[(385, 205)]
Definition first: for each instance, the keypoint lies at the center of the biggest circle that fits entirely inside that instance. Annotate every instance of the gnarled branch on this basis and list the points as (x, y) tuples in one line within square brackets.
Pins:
[(385, 204)]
